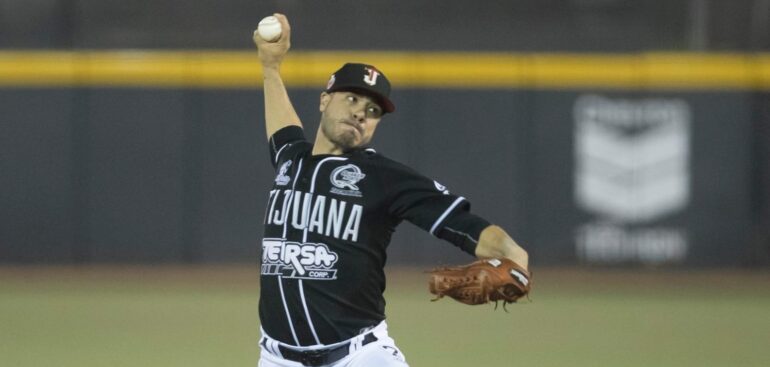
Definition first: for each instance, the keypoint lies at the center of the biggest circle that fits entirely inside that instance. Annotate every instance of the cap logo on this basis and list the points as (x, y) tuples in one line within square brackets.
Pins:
[(371, 76), (330, 83)]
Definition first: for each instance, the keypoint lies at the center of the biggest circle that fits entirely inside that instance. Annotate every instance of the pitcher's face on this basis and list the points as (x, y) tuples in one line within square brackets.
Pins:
[(349, 119)]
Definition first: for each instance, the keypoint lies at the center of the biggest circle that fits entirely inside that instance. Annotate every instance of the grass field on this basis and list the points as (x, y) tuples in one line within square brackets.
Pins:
[(188, 317)]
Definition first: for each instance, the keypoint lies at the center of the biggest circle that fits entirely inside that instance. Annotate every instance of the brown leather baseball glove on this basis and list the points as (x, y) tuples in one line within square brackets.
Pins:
[(481, 281)]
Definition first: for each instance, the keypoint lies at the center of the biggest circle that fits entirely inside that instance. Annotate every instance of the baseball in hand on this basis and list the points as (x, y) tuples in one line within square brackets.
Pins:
[(269, 29)]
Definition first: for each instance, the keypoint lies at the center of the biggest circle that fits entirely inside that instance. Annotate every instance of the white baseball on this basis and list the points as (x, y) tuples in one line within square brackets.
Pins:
[(269, 29)]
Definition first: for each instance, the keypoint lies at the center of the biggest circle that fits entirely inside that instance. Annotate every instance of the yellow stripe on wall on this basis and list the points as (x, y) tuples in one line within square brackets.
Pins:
[(223, 69)]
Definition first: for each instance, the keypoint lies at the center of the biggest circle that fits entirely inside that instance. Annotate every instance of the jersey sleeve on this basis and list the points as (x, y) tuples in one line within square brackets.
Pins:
[(423, 201), (286, 142)]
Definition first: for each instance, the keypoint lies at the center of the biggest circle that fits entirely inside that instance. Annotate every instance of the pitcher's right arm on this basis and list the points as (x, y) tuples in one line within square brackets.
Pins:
[(279, 111)]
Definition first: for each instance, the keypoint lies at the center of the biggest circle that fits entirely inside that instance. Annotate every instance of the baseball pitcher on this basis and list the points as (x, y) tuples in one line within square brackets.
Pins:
[(333, 207)]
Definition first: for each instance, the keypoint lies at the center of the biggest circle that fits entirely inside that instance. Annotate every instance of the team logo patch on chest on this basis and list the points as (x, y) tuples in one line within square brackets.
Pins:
[(282, 178), (298, 260), (345, 179)]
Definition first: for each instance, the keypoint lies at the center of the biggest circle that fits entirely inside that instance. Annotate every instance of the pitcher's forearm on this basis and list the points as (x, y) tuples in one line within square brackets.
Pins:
[(279, 112)]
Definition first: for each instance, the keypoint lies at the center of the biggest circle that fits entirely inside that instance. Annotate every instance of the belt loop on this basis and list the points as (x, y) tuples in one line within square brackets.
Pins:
[(276, 350), (269, 345), (355, 344)]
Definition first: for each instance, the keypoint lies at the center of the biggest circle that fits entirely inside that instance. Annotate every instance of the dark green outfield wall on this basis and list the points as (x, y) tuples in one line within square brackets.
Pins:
[(638, 174), (159, 175)]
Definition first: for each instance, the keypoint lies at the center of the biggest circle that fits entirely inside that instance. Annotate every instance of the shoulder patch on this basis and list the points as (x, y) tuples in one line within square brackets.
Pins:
[(440, 187), (282, 178)]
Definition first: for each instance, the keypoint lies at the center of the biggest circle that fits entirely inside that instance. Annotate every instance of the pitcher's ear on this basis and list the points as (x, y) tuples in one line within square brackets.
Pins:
[(325, 98)]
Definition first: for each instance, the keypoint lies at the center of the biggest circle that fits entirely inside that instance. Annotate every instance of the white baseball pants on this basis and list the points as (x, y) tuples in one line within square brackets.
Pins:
[(381, 353)]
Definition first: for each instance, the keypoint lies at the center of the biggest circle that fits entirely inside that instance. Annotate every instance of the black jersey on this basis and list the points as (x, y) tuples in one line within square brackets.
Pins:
[(328, 222)]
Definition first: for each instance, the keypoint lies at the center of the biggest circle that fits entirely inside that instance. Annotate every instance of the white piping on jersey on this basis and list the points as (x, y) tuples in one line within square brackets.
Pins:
[(446, 212), (280, 278), (307, 312), (304, 239), (286, 308), (315, 173), (285, 213), (278, 153), (267, 207)]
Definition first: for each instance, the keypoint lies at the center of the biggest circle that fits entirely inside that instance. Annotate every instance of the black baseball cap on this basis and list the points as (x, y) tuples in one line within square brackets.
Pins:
[(363, 79)]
